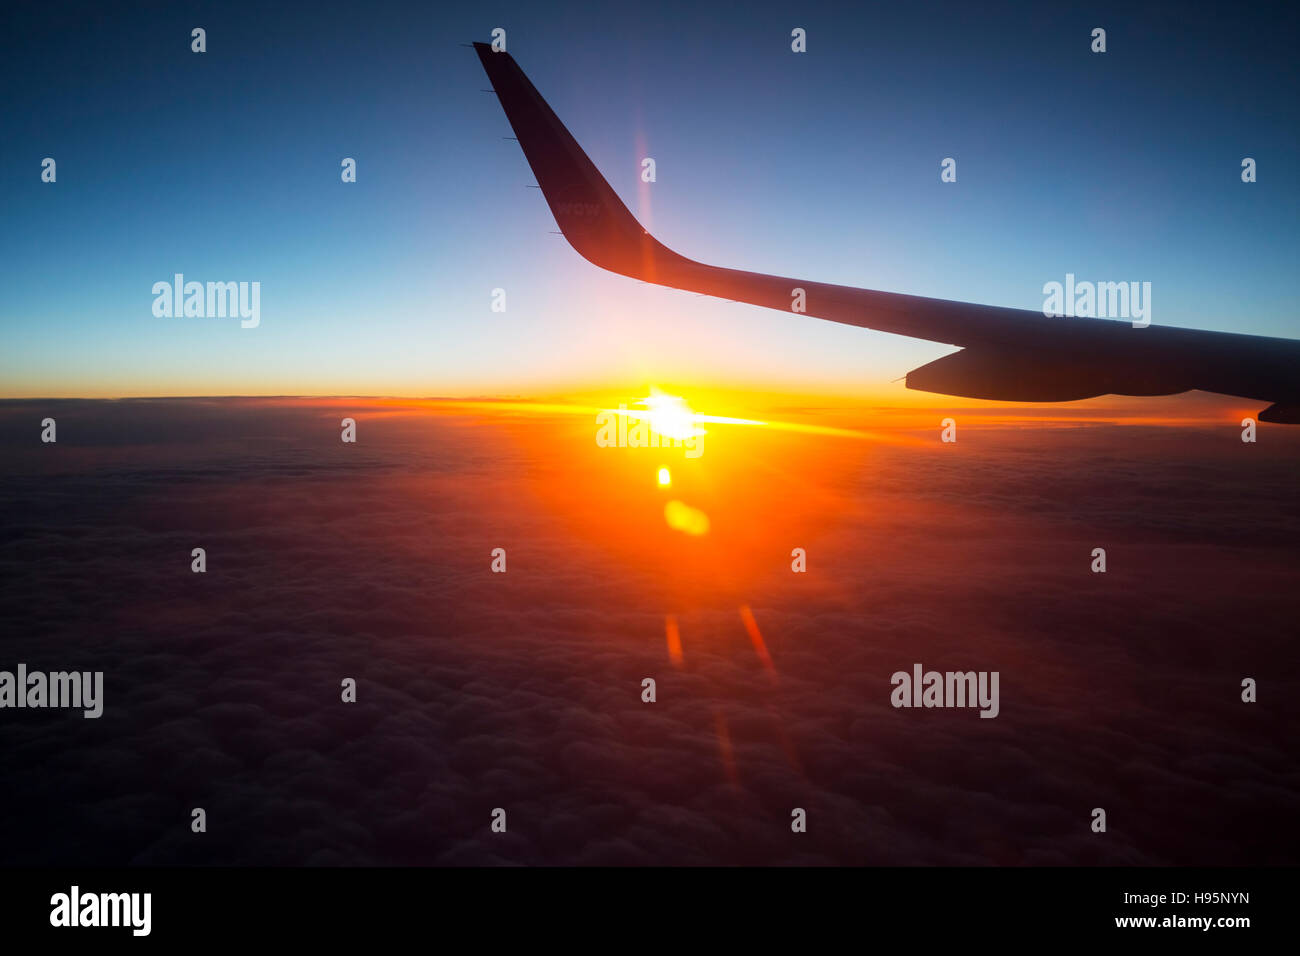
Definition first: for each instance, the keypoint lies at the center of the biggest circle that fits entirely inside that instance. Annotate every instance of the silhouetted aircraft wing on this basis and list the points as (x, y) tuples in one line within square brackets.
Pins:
[(1006, 354)]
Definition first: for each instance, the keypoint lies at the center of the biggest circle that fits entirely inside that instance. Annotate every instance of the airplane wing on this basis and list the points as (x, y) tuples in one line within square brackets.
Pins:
[(1006, 354)]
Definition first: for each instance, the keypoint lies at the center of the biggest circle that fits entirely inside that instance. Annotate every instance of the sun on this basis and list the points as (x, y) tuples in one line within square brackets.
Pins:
[(665, 478), (669, 415)]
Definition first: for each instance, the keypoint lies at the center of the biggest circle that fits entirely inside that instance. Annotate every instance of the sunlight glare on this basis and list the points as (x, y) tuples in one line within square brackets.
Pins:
[(670, 415)]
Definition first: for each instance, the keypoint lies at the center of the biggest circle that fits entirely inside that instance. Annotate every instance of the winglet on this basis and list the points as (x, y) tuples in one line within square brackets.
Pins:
[(589, 213), (597, 224)]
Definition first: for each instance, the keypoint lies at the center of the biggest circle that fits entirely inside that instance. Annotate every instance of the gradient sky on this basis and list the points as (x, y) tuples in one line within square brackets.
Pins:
[(825, 166)]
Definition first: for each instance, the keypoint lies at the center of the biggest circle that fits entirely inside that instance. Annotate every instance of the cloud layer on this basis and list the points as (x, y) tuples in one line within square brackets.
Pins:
[(523, 690)]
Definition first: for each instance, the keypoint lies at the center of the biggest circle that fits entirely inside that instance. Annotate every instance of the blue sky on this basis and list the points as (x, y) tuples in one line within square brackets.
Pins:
[(824, 165)]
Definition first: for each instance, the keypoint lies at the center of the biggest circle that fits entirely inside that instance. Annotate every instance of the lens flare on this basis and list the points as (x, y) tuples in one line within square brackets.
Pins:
[(682, 517), (674, 638)]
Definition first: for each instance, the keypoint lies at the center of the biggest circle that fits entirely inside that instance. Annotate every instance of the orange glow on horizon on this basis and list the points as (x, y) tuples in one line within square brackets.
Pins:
[(830, 408), (828, 413)]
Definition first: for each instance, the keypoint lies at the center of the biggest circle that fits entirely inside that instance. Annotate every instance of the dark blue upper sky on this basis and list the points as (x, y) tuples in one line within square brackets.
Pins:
[(825, 165)]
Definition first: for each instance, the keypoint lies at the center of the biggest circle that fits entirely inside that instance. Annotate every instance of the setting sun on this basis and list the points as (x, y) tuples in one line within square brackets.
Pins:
[(669, 415), (665, 479)]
